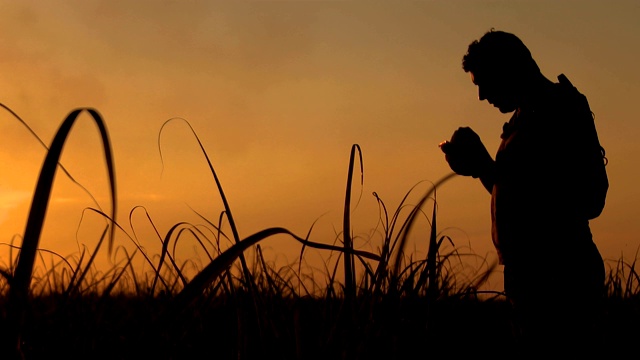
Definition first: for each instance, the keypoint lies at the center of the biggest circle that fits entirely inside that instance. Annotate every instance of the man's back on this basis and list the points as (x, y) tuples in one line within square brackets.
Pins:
[(542, 186)]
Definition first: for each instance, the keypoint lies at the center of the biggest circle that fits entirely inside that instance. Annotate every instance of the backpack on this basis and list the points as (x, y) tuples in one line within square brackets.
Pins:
[(594, 172)]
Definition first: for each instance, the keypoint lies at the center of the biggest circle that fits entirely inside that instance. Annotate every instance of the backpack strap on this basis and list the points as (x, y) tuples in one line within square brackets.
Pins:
[(564, 80), (598, 184)]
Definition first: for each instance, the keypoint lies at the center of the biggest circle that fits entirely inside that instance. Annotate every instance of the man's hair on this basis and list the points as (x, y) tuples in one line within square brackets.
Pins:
[(499, 50)]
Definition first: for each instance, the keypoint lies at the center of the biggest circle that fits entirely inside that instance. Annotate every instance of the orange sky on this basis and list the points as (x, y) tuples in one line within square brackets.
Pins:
[(278, 92)]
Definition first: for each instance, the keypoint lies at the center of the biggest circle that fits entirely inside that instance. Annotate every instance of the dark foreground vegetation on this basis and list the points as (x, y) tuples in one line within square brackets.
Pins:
[(272, 325), (384, 305)]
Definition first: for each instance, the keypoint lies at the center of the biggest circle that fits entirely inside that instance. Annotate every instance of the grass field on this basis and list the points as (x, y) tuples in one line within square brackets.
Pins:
[(382, 305)]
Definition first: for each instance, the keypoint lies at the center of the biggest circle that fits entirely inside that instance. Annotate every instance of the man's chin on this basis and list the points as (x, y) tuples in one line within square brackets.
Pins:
[(506, 109)]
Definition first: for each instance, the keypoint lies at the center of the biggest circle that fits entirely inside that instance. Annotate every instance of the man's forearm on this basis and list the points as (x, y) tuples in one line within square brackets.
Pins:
[(488, 177)]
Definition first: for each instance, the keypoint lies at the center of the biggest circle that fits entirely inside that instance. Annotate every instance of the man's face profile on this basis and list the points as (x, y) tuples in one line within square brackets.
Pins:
[(496, 90)]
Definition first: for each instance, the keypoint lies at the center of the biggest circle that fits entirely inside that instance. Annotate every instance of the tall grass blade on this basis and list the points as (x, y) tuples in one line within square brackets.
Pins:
[(223, 197), (116, 279), (410, 221), (349, 267), (432, 255), (76, 285)]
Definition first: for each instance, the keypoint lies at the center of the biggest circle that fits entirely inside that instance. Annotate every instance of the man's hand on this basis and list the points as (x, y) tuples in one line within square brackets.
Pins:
[(466, 154)]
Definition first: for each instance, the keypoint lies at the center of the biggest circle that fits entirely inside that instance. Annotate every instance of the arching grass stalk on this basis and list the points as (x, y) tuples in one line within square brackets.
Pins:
[(19, 284), (62, 168), (135, 241), (205, 277)]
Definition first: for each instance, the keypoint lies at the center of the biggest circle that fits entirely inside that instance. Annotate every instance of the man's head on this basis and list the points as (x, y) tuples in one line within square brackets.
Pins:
[(502, 67)]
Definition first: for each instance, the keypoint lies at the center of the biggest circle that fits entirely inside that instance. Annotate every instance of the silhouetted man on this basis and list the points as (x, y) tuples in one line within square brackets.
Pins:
[(546, 182)]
